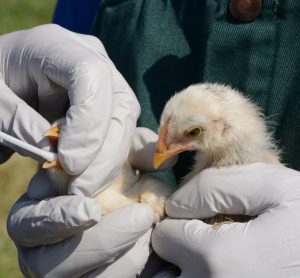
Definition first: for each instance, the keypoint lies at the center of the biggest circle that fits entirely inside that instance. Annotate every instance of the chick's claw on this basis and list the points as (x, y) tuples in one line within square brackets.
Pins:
[(53, 164), (53, 132)]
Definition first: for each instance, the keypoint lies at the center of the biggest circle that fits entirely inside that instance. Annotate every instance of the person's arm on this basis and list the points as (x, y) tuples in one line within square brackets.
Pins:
[(267, 246)]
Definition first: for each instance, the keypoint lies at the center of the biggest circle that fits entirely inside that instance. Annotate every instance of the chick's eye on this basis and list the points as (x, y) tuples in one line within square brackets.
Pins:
[(193, 132)]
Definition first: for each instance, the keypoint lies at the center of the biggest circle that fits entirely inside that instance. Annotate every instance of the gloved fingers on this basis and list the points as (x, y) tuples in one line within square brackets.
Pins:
[(142, 149), (107, 106), (77, 150), (199, 248), (114, 152), (21, 121), (32, 223), (97, 93), (248, 190), (170, 236), (131, 263), (94, 43), (96, 247), (88, 79), (175, 241)]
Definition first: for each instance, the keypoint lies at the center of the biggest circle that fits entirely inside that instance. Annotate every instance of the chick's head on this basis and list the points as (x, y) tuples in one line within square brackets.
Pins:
[(206, 118)]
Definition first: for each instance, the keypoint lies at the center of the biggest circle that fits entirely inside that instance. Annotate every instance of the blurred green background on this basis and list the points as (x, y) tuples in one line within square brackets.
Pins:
[(15, 174), (17, 15)]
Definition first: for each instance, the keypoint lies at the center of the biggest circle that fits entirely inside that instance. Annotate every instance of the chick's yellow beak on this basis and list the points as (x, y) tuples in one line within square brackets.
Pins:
[(165, 151), (161, 156)]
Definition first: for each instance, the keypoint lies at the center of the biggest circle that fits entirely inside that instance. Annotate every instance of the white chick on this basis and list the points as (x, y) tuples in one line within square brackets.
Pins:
[(129, 187), (220, 124)]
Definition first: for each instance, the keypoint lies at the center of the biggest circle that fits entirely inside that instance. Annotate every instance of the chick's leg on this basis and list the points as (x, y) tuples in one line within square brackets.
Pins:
[(55, 172), (53, 135)]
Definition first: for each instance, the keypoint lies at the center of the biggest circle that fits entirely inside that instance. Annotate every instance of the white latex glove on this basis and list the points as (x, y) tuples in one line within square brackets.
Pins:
[(44, 69), (122, 236), (66, 237), (268, 246)]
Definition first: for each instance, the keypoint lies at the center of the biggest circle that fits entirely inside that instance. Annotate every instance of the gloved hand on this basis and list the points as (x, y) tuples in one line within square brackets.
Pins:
[(268, 246), (47, 68), (42, 70), (117, 242), (65, 236)]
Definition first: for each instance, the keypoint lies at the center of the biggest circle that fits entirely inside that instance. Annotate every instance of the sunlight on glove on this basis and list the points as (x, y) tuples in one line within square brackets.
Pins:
[(267, 246)]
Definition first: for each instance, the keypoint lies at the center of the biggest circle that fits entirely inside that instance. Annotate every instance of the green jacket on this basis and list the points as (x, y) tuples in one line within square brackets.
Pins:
[(162, 46)]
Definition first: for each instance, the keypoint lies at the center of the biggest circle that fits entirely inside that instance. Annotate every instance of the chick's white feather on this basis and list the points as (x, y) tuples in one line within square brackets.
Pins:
[(233, 130)]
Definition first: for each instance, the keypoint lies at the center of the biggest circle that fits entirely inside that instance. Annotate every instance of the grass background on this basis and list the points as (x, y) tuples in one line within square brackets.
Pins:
[(15, 174)]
